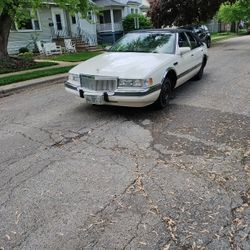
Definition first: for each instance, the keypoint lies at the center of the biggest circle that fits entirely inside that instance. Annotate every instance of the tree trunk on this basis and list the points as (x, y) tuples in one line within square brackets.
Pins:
[(233, 27), (5, 26)]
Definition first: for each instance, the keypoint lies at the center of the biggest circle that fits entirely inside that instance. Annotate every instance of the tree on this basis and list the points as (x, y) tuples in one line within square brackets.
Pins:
[(129, 22), (234, 12), (182, 12), (15, 11)]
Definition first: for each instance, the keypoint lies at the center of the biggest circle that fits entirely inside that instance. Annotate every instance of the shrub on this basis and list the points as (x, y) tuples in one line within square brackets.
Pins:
[(23, 50), (129, 22), (26, 55)]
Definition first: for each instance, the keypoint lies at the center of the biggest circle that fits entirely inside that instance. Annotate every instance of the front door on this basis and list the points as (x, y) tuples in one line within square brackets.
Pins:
[(59, 22), (74, 25)]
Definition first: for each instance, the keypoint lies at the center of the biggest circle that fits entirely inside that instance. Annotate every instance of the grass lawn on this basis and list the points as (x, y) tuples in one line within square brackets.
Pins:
[(15, 66), (32, 75), (225, 35), (76, 57)]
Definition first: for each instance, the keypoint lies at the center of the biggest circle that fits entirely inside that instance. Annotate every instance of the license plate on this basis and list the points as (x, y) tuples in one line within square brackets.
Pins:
[(95, 99)]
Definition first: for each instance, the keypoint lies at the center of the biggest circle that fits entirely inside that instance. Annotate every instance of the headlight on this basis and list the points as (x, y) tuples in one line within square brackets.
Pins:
[(137, 83), (74, 77)]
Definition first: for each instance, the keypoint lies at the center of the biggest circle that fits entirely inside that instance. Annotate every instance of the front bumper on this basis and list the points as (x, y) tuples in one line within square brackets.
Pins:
[(120, 98)]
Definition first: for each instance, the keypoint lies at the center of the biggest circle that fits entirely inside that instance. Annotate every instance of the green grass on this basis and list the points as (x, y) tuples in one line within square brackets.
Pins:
[(216, 37), (9, 68), (222, 36), (76, 57), (32, 75)]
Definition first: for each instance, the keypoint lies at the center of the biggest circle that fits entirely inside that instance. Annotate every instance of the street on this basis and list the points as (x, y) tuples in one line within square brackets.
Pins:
[(76, 176)]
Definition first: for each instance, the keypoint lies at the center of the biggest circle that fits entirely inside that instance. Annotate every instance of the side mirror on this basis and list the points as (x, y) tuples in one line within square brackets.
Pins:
[(184, 50)]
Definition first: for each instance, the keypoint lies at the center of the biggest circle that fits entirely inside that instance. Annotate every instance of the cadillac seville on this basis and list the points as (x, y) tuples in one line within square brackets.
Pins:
[(142, 68)]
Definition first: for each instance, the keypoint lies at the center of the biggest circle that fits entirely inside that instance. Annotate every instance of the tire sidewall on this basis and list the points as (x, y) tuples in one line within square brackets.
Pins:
[(208, 42), (165, 93)]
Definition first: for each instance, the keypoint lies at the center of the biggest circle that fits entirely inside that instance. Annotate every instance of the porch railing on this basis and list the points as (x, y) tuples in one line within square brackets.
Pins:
[(90, 39), (59, 33), (102, 27)]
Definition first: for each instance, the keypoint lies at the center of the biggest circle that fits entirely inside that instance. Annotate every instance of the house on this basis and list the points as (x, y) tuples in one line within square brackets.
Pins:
[(109, 21), (51, 23)]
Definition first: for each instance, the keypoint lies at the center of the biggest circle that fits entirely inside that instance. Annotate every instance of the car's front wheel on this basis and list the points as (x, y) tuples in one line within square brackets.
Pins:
[(165, 94)]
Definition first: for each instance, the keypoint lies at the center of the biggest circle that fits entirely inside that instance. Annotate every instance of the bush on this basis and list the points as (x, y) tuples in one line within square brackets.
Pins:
[(129, 22), (23, 50), (26, 55)]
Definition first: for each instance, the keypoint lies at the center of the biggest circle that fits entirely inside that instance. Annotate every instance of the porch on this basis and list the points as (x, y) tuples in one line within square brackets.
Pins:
[(110, 21), (66, 25)]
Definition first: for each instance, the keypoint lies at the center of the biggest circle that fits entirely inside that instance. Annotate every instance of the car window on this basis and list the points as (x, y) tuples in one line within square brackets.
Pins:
[(146, 42), (194, 43), (183, 40)]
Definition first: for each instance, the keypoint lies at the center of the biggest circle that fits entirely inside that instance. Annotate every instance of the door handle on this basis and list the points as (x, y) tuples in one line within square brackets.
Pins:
[(192, 55), (176, 63)]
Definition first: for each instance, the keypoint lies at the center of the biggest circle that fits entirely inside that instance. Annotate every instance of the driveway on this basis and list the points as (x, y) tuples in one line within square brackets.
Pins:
[(75, 176)]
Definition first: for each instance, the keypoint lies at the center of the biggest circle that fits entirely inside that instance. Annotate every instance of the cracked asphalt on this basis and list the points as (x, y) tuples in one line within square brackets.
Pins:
[(75, 176)]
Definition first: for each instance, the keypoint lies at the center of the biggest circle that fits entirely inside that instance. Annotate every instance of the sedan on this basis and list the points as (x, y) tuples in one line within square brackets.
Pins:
[(142, 68)]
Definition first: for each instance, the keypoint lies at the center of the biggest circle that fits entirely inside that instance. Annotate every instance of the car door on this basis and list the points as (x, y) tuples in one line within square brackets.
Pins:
[(196, 52), (185, 61)]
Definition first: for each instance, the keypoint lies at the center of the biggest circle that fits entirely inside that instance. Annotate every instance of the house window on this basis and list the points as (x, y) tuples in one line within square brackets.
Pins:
[(30, 23), (117, 16), (134, 10), (105, 16), (58, 22), (73, 19), (90, 16)]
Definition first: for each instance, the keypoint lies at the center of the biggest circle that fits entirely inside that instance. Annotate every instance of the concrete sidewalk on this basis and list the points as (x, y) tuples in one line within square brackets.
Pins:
[(17, 87)]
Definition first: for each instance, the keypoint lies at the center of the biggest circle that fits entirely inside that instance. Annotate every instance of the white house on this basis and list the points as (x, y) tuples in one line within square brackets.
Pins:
[(51, 22)]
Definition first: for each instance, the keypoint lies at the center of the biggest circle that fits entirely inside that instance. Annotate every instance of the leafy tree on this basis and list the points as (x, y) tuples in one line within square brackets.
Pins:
[(16, 10), (129, 22), (234, 12), (182, 12)]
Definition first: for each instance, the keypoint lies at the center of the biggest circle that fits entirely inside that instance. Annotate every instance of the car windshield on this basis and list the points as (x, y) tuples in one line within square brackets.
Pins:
[(146, 42)]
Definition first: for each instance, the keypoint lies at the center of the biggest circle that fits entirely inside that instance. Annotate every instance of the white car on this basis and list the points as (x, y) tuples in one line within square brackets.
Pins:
[(140, 69)]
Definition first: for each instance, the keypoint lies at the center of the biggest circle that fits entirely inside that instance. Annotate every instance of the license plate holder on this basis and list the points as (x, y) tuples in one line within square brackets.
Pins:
[(95, 99)]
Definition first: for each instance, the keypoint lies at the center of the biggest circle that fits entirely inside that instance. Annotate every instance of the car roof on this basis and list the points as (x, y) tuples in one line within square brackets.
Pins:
[(160, 31)]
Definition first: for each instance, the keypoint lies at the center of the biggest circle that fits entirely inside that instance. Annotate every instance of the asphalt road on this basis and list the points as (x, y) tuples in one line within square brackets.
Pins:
[(75, 176)]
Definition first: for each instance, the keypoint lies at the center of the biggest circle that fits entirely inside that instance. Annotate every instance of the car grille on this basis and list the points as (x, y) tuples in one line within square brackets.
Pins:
[(98, 83)]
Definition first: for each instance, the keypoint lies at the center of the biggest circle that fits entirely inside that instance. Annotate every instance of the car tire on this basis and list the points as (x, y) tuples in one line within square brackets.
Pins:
[(199, 75), (165, 94), (208, 42)]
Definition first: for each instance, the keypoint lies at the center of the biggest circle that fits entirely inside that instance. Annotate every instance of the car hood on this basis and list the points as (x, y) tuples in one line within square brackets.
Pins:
[(123, 64)]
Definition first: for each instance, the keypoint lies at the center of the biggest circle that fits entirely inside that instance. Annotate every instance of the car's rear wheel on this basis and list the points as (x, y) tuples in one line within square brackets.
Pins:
[(199, 75), (208, 42), (165, 94)]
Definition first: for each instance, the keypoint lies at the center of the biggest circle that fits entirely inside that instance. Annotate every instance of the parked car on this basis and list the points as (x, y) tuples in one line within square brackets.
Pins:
[(201, 31), (140, 69)]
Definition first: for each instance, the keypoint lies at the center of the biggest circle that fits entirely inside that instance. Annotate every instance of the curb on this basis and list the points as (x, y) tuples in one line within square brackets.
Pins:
[(20, 86)]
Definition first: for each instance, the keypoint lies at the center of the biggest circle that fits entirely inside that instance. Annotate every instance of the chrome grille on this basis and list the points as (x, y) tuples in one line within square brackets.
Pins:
[(98, 83)]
